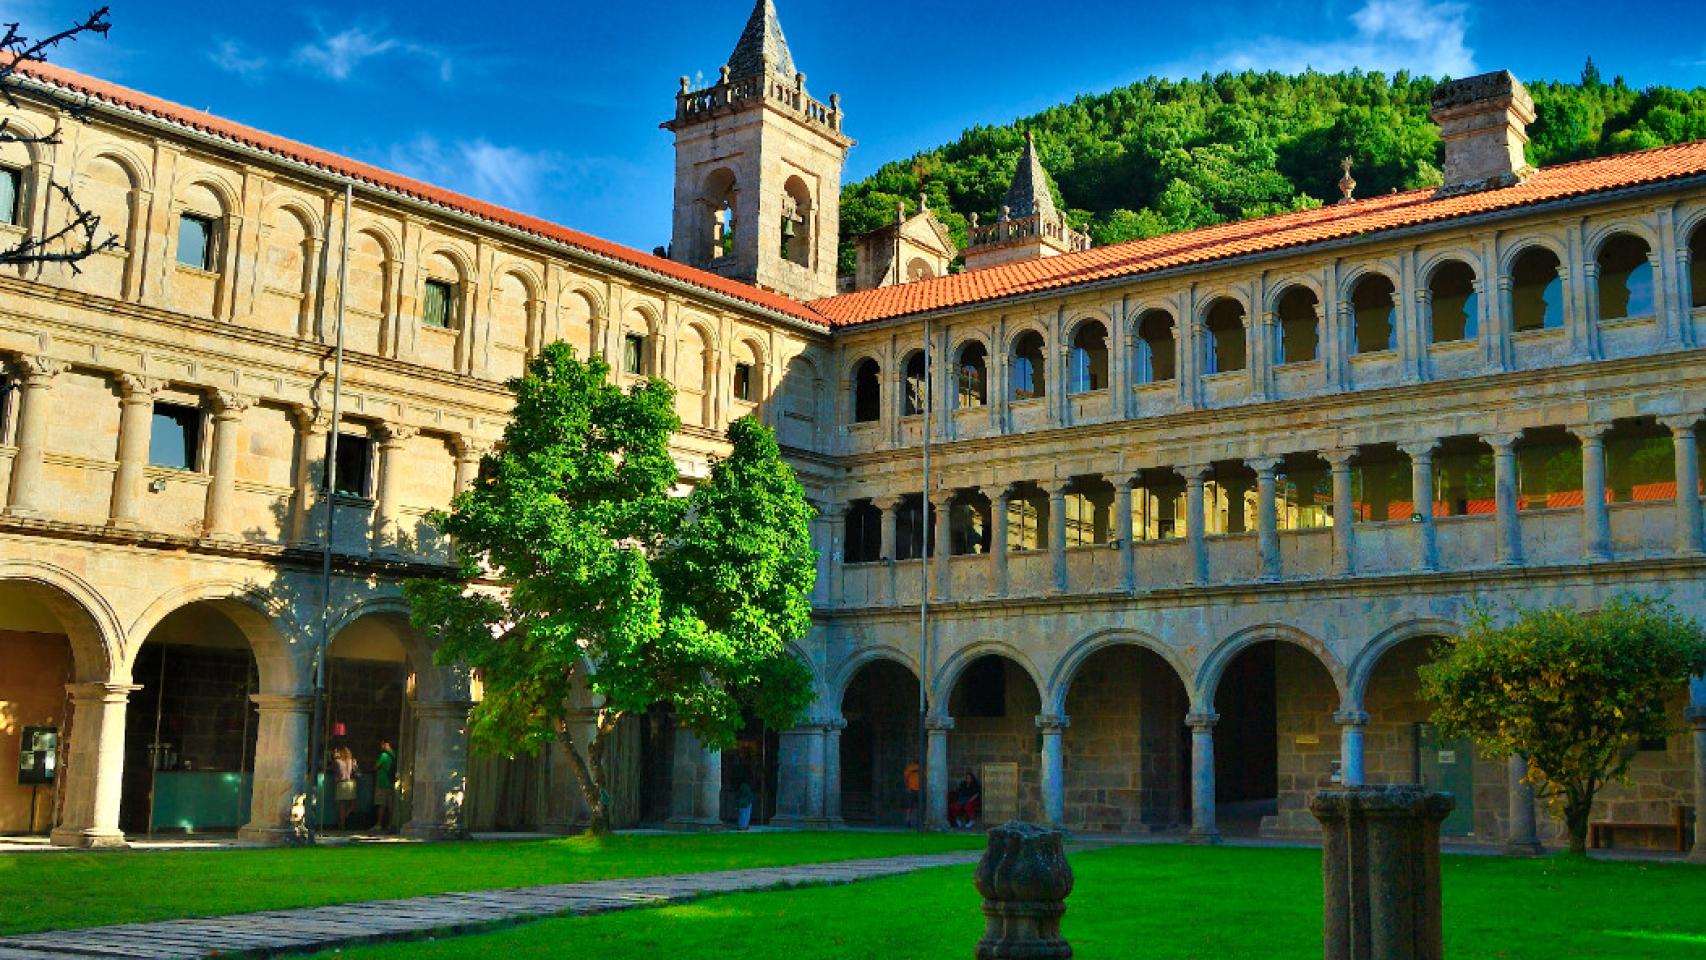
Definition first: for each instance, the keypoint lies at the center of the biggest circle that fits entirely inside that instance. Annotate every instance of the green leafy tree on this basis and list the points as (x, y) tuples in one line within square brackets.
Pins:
[(584, 574), (1573, 692)]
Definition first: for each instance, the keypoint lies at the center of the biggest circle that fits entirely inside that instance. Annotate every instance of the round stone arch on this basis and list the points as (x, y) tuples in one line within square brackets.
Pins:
[(836, 684), (121, 156), (93, 629), (225, 194), (942, 687), (1284, 285), (1067, 666), (1508, 257), (1070, 331), (1362, 271), (276, 639), (309, 220), (1602, 232), (1362, 668), (1019, 329), (432, 682), (1206, 301), (1435, 259), (1214, 666)]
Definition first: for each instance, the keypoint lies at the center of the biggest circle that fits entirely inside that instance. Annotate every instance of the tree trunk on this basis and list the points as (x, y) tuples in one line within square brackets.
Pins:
[(1577, 809), (590, 778)]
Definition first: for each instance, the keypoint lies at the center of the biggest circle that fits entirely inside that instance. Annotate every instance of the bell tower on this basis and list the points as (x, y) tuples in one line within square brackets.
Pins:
[(758, 170)]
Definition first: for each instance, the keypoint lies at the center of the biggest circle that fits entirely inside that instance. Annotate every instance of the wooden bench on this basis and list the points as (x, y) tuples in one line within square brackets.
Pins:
[(1680, 828)]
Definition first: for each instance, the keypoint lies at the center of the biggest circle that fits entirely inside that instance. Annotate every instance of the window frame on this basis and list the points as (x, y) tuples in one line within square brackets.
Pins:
[(364, 443), (191, 419), (634, 354), (211, 241), (13, 216), (447, 289)]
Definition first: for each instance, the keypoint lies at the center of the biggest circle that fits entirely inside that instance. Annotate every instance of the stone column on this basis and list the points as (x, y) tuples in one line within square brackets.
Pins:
[(311, 431), (1123, 533), (832, 772), (1421, 454), (1522, 835), (220, 522), (135, 427), (388, 536), (1686, 444), (1380, 866), (469, 451), (800, 789), (441, 770), (1267, 515), (1202, 777), (1195, 476), (281, 755), (1344, 512), (831, 559), (1509, 539), (1057, 532), (942, 505), (696, 784), (997, 494), (1351, 725), (93, 775), (890, 506), (1053, 727), (1697, 717), (1596, 520), (935, 801), (28, 494)]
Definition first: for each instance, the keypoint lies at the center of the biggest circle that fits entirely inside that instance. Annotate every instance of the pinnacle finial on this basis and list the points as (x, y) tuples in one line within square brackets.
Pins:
[(1347, 183)]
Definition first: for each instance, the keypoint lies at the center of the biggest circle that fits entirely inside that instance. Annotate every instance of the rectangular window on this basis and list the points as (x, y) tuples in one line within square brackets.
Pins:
[(1229, 500), (743, 382), (1640, 465), (176, 436), (1463, 479), (11, 191), (633, 354), (1089, 518), (913, 531), (1305, 485), (1026, 518), (1549, 471), (355, 465), (436, 304), (1158, 508), (195, 241), (1382, 488)]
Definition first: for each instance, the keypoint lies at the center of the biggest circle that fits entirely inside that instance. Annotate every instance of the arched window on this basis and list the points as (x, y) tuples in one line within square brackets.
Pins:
[(968, 525), (867, 391), (1299, 325), (1453, 312), (797, 222), (718, 204), (1028, 378), (864, 536), (1224, 323), (1697, 268), (1157, 353), (1625, 278), (1376, 314), (1089, 358), (973, 375), (917, 384), (1537, 291)]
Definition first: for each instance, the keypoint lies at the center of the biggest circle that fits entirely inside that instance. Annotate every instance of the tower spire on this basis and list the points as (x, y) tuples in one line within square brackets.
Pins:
[(1029, 193), (761, 47)]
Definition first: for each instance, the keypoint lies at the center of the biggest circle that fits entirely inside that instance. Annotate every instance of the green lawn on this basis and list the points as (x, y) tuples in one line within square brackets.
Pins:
[(1154, 902), (58, 890)]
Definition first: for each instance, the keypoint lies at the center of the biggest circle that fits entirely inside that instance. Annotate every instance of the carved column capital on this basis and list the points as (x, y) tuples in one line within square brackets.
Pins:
[(1502, 441), (1351, 718), (1264, 466), (136, 388), (229, 405), (1197, 472), (1339, 457), (1680, 424), (37, 371), (1202, 720), (1053, 722), (1592, 431), (309, 420), (1418, 450), (939, 722), (470, 448), (396, 434)]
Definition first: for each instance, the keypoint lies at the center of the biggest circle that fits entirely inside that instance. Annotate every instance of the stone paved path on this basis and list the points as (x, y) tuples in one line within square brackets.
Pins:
[(321, 928)]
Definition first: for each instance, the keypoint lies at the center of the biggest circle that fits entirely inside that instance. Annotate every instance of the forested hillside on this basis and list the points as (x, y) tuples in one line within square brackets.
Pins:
[(1166, 155)]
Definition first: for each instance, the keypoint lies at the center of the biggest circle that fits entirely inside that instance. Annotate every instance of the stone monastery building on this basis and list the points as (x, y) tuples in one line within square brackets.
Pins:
[(1197, 505)]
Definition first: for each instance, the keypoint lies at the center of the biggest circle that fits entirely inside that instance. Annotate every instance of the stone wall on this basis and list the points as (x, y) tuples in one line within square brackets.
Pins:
[(205, 715), (1010, 738), (1308, 739), (37, 668), (1123, 757)]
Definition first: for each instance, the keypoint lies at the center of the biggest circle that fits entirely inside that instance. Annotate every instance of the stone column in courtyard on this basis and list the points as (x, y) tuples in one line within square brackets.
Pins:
[(1685, 443), (696, 784), (831, 559), (997, 494), (469, 451), (1203, 829), (281, 755), (28, 494), (135, 427), (1351, 723), (1123, 532), (1380, 867), (942, 506), (388, 535), (441, 770), (1053, 726), (936, 726), (890, 506), (220, 520), (1057, 532), (832, 772), (1421, 454), (1522, 834), (1596, 520), (800, 781), (1195, 476), (93, 775), (1508, 542), (311, 432), (1267, 515), (1344, 511)]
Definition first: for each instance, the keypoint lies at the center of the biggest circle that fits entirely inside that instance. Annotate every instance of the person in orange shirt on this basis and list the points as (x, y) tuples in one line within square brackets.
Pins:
[(912, 787)]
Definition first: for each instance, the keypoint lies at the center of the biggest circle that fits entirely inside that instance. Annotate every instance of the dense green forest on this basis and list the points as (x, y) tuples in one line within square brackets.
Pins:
[(1166, 155)]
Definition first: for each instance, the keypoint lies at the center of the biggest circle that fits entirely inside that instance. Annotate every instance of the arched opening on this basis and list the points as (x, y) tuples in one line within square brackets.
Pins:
[(1275, 743), (1298, 313), (370, 686), (917, 393), (867, 392), (1027, 519), (1537, 291), (110, 193), (746, 379), (1625, 278), (1401, 746), (881, 740), (284, 268), (994, 704), (863, 536), (512, 325), (190, 731), (1127, 750), (973, 369), (1453, 311), (797, 426), (1224, 324), (1375, 311), (1157, 351), (1028, 365), (1089, 512), (693, 359), (717, 206), (1089, 360), (797, 222), (968, 524)]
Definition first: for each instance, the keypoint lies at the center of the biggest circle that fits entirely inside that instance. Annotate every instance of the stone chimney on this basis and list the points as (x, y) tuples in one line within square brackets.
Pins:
[(1484, 123)]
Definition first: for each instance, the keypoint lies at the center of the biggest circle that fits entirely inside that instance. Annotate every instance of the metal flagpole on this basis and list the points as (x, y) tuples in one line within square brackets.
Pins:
[(317, 729), (927, 539)]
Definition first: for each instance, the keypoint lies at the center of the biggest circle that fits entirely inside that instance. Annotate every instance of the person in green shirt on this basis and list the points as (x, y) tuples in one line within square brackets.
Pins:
[(384, 782)]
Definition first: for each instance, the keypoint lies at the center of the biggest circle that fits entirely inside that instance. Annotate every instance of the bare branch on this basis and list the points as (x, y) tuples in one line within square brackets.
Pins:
[(78, 238), (17, 50)]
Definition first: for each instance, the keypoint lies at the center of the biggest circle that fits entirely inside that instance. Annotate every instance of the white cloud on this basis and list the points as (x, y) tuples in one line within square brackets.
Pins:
[(1387, 35), (509, 176), (229, 56), (339, 54)]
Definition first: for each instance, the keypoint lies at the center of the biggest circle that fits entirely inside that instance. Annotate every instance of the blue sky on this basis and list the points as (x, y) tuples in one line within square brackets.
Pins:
[(553, 107)]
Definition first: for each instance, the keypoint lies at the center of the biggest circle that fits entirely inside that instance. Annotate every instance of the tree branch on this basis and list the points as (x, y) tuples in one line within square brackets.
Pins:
[(75, 240)]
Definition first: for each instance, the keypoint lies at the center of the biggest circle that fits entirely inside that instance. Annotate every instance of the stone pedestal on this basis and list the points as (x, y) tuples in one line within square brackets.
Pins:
[(696, 785), (1380, 865), (281, 754), (94, 768), (801, 789), (441, 771), (1523, 836), (1024, 879)]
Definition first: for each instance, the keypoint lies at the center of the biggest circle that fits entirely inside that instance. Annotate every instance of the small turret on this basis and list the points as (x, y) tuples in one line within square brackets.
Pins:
[(1030, 225)]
